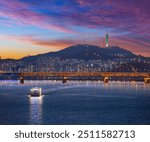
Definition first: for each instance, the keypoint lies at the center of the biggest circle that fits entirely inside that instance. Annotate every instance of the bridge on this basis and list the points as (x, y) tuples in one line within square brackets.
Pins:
[(66, 75)]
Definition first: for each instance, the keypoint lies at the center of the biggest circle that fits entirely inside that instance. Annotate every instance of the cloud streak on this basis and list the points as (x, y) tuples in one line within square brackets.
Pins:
[(21, 14), (124, 15), (139, 48)]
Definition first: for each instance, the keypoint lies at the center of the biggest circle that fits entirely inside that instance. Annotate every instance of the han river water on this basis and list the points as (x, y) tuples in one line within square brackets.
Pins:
[(75, 103)]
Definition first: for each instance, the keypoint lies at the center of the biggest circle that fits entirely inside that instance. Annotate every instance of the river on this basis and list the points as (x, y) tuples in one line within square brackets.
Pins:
[(74, 103)]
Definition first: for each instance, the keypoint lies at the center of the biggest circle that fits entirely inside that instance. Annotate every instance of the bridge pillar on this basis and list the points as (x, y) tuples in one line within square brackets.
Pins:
[(64, 80), (147, 80), (105, 80), (21, 80)]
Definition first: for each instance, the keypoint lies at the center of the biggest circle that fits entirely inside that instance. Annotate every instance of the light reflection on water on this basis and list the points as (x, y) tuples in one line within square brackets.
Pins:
[(75, 102), (36, 110), (57, 85), (44, 82)]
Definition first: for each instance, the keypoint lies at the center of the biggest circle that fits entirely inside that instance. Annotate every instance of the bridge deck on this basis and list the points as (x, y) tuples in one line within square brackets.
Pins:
[(82, 74)]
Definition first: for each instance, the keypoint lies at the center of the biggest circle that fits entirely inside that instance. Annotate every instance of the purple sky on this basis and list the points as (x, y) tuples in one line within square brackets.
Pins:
[(32, 27)]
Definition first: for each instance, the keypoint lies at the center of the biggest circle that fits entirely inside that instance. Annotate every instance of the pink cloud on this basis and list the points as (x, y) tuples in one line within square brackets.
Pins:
[(19, 12), (126, 15), (133, 45)]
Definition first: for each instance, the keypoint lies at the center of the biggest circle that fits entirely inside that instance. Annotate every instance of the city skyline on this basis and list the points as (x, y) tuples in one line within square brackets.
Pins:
[(29, 27)]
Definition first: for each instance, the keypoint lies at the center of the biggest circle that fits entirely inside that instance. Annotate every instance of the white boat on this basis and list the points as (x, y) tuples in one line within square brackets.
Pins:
[(36, 92)]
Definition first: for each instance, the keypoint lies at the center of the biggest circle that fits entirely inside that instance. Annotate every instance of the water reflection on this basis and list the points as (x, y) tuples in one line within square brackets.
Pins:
[(36, 110)]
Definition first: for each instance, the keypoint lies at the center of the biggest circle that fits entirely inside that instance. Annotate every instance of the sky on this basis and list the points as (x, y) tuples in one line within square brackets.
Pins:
[(30, 27)]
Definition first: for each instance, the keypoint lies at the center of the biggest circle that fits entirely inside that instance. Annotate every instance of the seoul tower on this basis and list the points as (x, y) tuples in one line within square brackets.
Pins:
[(107, 38)]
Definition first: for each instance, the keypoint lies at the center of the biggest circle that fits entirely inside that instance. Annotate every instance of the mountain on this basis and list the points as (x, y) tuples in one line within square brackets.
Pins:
[(87, 52), (93, 58), (93, 52)]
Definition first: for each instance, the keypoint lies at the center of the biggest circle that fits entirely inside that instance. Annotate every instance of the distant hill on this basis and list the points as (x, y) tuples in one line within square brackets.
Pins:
[(87, 52)]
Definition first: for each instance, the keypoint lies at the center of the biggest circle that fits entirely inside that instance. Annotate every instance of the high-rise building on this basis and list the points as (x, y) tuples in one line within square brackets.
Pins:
[(107, 40)]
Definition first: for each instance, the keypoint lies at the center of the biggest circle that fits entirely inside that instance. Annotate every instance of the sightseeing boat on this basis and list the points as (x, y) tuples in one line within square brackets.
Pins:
[(36, 92)]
